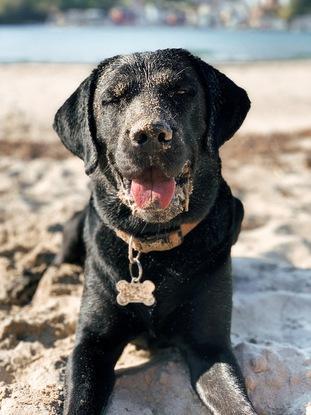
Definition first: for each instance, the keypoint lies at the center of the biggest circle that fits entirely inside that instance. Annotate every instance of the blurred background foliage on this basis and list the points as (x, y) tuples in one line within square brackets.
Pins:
[(29, 11), (16, 11)]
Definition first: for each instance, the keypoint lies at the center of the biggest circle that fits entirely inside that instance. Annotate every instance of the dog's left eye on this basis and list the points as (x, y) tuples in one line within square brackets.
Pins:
[(184, 92), (181, 92)]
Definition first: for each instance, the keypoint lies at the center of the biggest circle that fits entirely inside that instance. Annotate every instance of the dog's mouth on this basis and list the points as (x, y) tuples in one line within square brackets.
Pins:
[(152, 188), (155, 197)]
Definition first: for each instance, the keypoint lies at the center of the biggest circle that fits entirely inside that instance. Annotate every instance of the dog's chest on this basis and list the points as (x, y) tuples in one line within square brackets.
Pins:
[(172, 289)]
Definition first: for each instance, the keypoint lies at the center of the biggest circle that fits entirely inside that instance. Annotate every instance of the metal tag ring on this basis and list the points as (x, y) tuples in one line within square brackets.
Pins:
[(140, 270), (132, 258)]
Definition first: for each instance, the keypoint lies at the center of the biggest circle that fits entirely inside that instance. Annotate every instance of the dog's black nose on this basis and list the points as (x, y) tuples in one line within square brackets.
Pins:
[(151, 137)]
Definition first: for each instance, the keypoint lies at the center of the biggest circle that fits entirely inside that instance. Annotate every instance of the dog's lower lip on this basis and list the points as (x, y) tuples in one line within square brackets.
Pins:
[(181, 180), (127, 183)]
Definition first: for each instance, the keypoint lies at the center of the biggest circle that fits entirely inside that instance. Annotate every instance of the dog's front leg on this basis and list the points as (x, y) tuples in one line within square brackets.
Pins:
[(205, 341), (102, 334), (217, 379), (90, 376)]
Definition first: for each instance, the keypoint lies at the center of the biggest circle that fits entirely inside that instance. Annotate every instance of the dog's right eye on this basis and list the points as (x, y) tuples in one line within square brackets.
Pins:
[(110, 97), (118, 92), (110, 100)]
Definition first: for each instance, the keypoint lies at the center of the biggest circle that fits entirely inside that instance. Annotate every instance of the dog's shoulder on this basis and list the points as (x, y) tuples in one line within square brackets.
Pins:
[(227, 215), (237, 218)]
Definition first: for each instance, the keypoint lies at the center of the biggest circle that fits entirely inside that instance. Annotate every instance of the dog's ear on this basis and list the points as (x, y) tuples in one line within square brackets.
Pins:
[(74, 121), (74, 124), (226, 103)]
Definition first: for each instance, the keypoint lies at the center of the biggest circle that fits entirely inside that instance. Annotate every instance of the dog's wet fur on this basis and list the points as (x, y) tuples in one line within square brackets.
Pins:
[(154, 111)]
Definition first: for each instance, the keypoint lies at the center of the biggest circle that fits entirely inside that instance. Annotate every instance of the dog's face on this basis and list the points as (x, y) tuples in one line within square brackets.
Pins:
[(149, 114), (152, 123)]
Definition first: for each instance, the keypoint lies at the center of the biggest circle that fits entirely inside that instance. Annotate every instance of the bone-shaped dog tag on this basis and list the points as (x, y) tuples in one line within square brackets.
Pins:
[(135, 292)]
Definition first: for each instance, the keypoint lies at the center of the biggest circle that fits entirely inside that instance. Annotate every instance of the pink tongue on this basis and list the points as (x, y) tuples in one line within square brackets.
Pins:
[(152, 187)]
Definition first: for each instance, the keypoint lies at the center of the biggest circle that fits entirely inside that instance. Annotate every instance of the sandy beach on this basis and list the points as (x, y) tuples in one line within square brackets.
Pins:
[(31, 93), (267, 164)]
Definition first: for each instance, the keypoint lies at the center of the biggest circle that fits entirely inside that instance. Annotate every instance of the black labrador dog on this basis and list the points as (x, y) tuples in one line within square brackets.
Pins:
[(156, 236)]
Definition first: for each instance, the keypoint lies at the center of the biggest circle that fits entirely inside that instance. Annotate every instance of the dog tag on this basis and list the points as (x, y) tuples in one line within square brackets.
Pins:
[(135, 292)]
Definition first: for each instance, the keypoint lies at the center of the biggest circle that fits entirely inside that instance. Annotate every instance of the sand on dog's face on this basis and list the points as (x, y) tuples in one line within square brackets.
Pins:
[(41, 185)]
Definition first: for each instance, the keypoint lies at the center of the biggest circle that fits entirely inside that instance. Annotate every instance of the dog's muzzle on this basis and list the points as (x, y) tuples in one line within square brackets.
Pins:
[(156, 198)]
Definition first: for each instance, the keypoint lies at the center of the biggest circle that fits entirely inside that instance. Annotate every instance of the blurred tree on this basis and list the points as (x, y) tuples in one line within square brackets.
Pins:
[(301, 7), (27, 11), (295, 8), (14, 11), (86, 4)]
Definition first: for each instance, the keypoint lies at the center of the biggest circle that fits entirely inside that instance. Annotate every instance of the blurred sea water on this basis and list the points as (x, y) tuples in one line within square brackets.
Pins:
[(88, 44)]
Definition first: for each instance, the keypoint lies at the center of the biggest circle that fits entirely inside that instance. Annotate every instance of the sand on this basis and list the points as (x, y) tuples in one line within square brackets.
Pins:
[(267, 165), (31, 93)]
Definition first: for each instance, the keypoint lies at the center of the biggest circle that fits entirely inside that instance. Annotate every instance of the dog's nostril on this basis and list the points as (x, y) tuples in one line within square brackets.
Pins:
[(165, 135), (141, 138), (162, 137)]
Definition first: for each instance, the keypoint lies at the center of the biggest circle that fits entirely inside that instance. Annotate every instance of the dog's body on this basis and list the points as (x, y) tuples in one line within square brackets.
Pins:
[(137, 121)]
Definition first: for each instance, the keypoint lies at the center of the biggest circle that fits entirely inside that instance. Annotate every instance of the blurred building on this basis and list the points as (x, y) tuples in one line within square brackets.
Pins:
[(203, 13)]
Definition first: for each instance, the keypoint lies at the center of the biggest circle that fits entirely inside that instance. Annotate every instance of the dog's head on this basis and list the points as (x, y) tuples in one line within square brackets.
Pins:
[(149, 125)]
